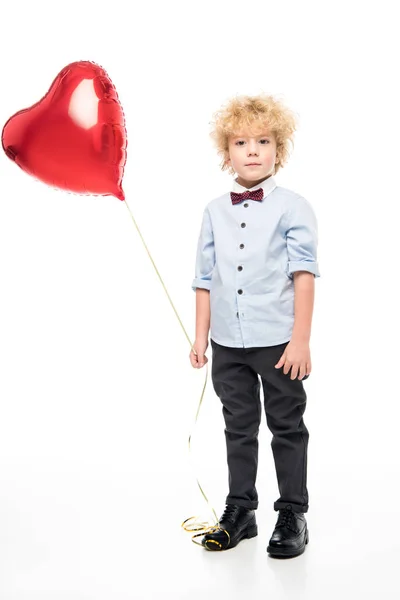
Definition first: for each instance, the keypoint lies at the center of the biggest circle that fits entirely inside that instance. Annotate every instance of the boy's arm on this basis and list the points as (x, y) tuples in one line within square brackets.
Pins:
[(205, 256), (302, 242), (303, 305), (202, 314), (205, 261)]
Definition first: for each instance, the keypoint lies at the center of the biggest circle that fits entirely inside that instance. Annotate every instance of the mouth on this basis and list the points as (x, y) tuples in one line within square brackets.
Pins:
[(253, 165)]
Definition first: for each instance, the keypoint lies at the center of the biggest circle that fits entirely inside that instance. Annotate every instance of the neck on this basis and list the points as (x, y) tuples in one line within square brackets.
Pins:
[(250, 184)]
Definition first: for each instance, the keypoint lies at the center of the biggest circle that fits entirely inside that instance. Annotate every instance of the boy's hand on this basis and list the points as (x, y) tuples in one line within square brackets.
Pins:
[(198, 358), (296, 356)]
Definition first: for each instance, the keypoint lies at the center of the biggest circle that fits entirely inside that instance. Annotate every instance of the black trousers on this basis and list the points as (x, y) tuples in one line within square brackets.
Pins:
[(236, 374)]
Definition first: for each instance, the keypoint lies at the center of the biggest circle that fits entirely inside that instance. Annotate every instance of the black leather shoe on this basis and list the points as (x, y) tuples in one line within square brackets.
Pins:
[(238, 522), (290, 535)]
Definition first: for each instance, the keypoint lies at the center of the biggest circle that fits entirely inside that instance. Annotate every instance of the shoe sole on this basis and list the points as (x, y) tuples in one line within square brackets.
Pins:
[(287, 552), (249, 533)]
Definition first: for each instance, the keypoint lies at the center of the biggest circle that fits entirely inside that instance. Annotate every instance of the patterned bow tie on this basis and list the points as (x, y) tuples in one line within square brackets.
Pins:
[(247, 195)]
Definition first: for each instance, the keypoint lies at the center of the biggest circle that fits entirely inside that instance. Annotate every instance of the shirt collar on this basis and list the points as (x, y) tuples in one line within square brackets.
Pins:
[(267, 185)]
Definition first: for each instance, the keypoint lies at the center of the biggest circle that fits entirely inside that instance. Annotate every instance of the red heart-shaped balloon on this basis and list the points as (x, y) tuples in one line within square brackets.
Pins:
[(74, 138)]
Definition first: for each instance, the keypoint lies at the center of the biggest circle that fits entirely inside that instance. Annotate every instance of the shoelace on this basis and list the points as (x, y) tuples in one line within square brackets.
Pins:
[(286, 519), (230, 513)]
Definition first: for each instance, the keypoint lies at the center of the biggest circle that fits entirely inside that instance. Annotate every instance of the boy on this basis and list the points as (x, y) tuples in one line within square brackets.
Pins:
[(254, 280)]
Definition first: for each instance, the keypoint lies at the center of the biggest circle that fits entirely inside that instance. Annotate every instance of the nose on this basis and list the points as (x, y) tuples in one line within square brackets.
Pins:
[(252, 148)]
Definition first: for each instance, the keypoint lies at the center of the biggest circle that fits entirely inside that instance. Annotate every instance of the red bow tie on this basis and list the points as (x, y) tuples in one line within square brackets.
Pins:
[(247, 195)]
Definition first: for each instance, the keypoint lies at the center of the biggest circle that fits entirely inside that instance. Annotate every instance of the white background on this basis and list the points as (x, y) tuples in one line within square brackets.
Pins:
[(97, 393)]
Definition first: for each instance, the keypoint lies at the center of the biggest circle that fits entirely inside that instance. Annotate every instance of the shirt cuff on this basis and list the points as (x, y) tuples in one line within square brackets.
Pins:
[(205, 284), (311, 267)]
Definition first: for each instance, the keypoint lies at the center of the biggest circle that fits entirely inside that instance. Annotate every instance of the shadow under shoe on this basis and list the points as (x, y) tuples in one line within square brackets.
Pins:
[(290, 535), (237, 523)]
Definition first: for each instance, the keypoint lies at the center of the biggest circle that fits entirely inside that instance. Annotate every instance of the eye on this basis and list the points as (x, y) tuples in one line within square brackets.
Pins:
[(262, 142), (239, 143)]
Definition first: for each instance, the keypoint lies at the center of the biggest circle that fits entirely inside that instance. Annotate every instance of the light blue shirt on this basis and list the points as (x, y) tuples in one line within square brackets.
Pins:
[(246, 256)]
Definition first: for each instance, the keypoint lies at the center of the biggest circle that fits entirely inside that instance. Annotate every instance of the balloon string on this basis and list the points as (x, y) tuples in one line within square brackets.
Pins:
[(196, 525)]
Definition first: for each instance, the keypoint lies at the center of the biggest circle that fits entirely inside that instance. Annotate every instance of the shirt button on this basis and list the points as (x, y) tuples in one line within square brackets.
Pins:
[(240, 291), (237, 314), (240, 268), (243, 225), (245, 205), (241, 246)]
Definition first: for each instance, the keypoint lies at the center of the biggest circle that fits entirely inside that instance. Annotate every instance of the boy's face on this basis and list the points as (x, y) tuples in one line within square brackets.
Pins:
[(252, 156)]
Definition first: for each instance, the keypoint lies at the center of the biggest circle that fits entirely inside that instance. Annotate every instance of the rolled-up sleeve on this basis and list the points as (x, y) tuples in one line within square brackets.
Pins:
[(302, 238), (205, 257)]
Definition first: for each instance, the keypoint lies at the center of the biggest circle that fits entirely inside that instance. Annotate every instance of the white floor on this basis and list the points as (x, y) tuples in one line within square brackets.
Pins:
[(83, 532)]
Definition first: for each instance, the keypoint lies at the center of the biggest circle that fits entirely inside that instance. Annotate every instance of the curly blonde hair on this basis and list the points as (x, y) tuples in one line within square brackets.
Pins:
[(255, 114)]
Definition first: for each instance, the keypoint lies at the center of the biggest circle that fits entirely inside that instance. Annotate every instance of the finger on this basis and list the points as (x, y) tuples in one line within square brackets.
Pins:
[(295, 369), (205, 361), (280, 362), (200, 360), (302, 371), (286, 367), (193, 359)]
